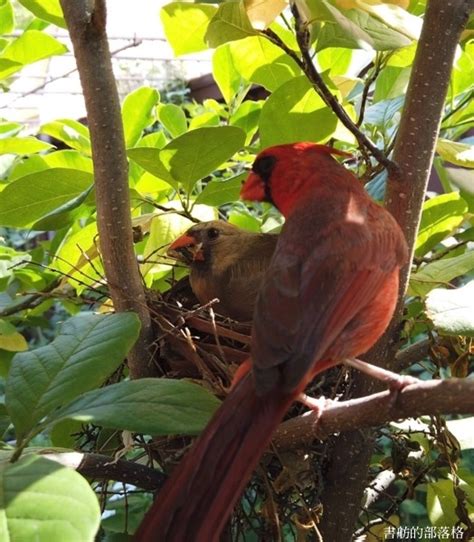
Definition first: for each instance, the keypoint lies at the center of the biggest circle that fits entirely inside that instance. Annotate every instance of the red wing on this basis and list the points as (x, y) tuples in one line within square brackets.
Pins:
[(307, 302)]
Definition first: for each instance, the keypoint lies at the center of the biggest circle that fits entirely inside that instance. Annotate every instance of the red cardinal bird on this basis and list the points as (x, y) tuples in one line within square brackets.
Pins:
[(328, 295)]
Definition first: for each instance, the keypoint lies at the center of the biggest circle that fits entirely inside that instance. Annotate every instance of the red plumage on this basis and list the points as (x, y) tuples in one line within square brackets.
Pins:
[(329, 294)]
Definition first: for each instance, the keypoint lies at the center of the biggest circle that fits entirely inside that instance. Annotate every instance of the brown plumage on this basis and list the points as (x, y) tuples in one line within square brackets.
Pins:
[(227, 263)]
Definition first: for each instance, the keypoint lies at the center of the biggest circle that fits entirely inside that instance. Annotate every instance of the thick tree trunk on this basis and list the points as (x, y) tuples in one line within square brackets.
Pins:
[(86, 20)]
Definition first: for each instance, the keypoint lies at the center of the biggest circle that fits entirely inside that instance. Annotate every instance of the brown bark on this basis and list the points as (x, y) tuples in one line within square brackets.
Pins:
[(414, 149), (86, 20)]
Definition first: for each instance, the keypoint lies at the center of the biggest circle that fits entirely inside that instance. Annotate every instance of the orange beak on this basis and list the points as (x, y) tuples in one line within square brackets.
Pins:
[(253, 188), (186, 248)]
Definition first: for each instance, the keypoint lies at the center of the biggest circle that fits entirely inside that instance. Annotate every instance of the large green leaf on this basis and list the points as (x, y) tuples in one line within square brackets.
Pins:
[(43, 501), (219, 192), (439, 273), (88, 349), (247, 117), (191, 156), (22, 145), (48, 10), (137, 113), (230, 23), (441, 216), (71, 132), (173, 119), (354, 29), (31, 197), (30, 47), (452, 311), (154, 406), (185, 26), (7, 22), (261, 62), (294, 112), (225, 73), (457, 153)]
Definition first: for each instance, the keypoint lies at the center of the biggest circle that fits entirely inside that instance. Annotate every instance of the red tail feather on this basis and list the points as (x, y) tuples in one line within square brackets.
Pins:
[(196, 502)]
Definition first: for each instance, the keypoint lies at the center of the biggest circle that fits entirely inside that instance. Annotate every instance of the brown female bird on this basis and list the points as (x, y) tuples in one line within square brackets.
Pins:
[(227, 263)]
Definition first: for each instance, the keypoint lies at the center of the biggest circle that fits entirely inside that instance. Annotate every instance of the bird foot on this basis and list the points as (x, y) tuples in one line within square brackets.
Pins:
[(396, 383), (316, 405)]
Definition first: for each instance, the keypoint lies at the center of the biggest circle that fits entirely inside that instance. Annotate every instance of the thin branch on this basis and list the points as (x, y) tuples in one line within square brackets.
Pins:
[(102, 467), (309, 69), (412, 354), (86, 21), (453, 396)]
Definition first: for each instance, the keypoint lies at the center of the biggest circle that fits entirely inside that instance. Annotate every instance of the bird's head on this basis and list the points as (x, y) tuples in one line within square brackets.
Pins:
[(283, 173), (198, 243)]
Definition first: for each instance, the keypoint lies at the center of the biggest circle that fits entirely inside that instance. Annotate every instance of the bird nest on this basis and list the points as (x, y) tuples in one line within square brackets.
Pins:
[(193, 341)]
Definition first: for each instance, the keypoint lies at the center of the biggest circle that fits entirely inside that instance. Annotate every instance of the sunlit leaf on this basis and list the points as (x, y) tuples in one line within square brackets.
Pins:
[(441, 215), (173, 119), (229, 23), (22, 145), (262, 13), (71, 132), (137, 113), (29, 47), (294, 112), (452, 310), (185, 25), (45, 501), (460, 154), (48, 10), (440, 273)]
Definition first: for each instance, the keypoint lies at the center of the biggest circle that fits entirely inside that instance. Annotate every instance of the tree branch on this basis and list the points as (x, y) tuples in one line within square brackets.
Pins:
[(86, 21), (103, 467), (453, 396)]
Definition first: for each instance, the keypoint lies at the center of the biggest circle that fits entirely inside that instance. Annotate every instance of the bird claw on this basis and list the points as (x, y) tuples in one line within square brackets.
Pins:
[(316, 405)]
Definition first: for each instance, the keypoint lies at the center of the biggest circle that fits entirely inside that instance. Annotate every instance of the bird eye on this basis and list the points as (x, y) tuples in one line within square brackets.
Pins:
[(212, 233), (263, 166)]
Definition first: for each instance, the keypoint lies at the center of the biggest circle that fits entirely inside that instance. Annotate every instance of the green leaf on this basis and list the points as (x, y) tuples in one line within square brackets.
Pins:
[(384, 113), (395, 17), (7, 21), (247, 117), (452, 311), (22, 145), (263, 63), (460, 154), (355, 29), (225, 73), (294, 112), (86, 352), (30, 47), (441, 503), (64, 215), (208, 118), (335, 60), (9, 129), (229, 23), (185, 26), (47, 10), (21, 205), (220, 192), (391, 83), (441, 216), (71, 132), (137, 113), (173, 119), (191, 156), (10, 339), (156, 406), (46, 502), (440, 273)]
